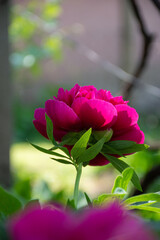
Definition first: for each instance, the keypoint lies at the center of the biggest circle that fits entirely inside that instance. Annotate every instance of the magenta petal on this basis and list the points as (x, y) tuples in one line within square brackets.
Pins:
[(41, 128), (77, 104), (40, 121), (62, 115), (39, 115), (118, 100), (99, 160), (132, 134), (40, 224), (95, 113), (127, 117), (58, 134)]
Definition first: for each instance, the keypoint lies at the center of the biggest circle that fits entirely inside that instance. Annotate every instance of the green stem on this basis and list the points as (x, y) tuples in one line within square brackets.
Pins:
[(76, 186)]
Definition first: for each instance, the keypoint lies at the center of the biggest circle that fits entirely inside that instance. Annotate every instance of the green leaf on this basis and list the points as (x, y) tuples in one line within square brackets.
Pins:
[(3, 232), (100, 134), (81, 144), (123, 181), (88, 199), (107, 197), (65, 150), (51, 152), (71, 138), (111, 150), (61, 161), (124, 147), (71, 204), (92, 151), (143, 198), (120, 166), (135, 148), (119, 190), (146, 208), (50, 130), (121, 144), (8, 203)]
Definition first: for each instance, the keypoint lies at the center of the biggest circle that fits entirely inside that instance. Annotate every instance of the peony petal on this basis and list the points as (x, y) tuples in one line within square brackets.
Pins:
[(67, 96), (118, 100), (132, 134), (100, 223), (39, 115), (127, 117), (95, 113), (62, 115), (39, 224), (41, 128), (58, 134), (40, 121), (104, 95), (87, 92), (99, 160)]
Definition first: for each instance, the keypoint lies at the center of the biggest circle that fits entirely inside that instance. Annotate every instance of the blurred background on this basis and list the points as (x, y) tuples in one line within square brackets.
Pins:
[(50, 44)]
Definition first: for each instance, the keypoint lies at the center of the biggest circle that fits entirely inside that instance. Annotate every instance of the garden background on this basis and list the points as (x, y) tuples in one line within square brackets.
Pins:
[(43, 46)]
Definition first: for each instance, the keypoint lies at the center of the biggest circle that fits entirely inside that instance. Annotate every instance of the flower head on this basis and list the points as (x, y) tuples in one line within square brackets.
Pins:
[(112, 223), (86, 107)]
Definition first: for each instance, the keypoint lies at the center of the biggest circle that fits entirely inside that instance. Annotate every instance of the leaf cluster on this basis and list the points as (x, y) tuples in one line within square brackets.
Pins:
[(86, 147)]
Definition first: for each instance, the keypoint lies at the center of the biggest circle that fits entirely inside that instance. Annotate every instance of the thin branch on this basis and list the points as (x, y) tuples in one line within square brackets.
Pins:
[(156, 3), (148, 39), (89, 53)]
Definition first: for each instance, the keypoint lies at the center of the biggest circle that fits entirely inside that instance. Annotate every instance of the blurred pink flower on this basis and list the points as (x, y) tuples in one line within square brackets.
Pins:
[(86, 107), (112, 222)]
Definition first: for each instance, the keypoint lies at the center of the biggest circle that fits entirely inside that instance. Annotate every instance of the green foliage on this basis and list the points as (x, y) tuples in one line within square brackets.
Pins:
[(3, 232), (21, 27), (42, 191), (30, 23), (70, 204), (51, 10), (103, 198), (121, 147), (62, 161), (119, 190), (144, 202), (81, 144), (145, 208), (123, 181), (71, 138), (120, 166), (141, 202), (51, 151), (53, 46), (89, 201), (86, 148), (99, 134), (155, 197), (23, 188), (92, 151), (50, 130), (8, 203)]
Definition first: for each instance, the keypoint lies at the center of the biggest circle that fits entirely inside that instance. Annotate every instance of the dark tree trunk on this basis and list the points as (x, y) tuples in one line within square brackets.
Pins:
[(5, 95)]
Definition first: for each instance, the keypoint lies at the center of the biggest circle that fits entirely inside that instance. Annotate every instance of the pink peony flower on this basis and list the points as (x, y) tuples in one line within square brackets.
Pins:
[(86, 107), (112, 222)]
